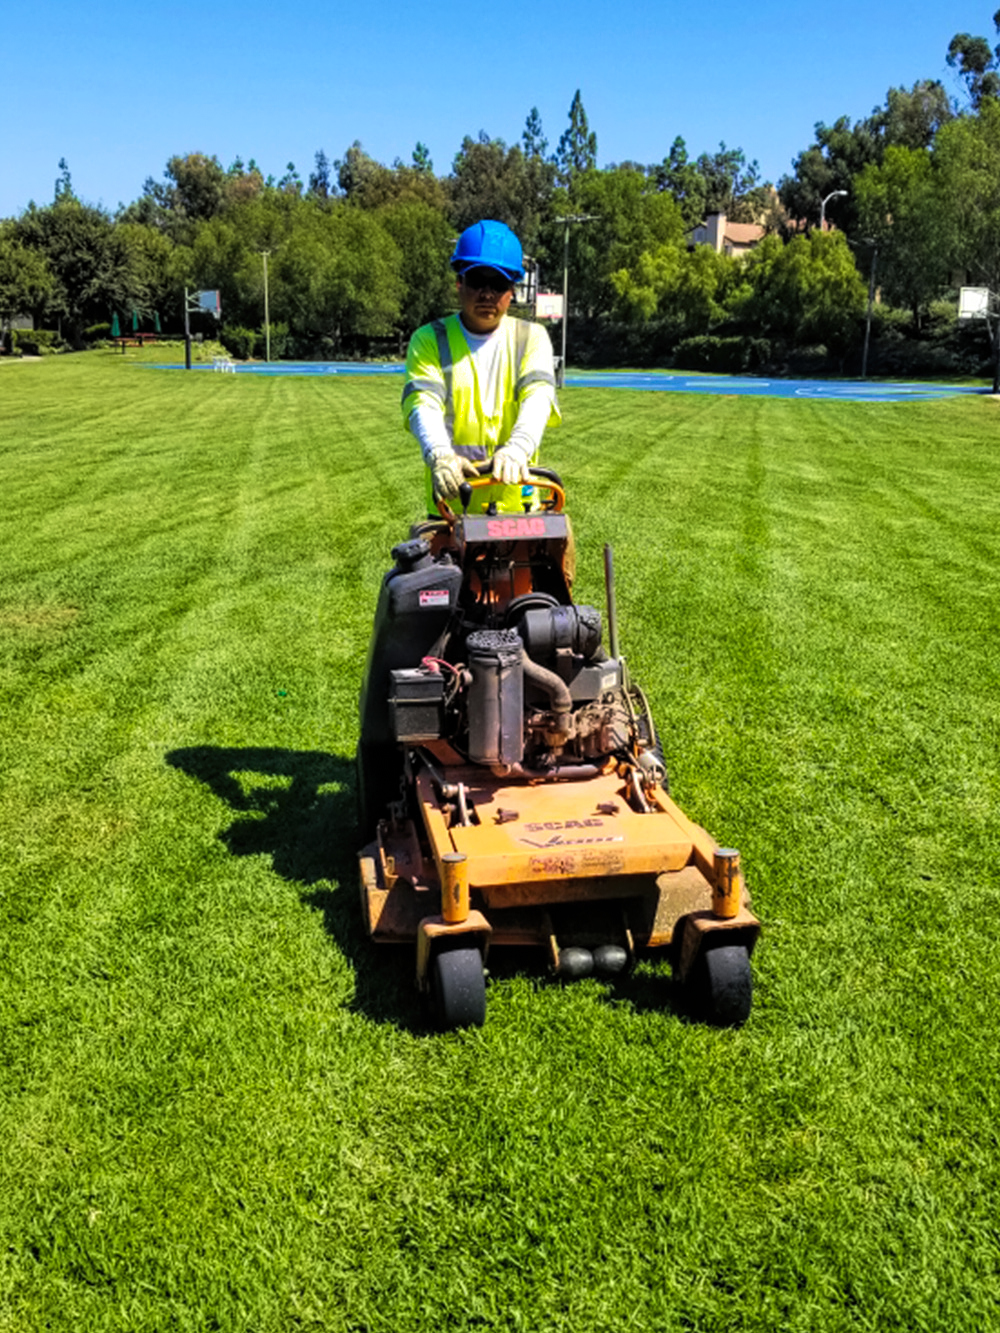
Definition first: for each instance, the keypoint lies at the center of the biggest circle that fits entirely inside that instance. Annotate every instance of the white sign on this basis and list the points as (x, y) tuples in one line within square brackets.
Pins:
[(549, 305)]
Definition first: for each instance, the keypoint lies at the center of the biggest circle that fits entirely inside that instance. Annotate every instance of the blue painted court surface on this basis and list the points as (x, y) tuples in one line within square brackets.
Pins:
[(858, 391)]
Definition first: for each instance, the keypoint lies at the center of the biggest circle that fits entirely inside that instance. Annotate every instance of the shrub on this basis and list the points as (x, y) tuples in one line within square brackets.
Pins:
[(280, 341), (724, 355), (207, 350), (808, 361), (238, 341), (97, 333), (36, 342)]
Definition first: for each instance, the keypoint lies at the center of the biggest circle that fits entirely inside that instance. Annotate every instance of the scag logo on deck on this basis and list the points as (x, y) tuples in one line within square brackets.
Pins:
[(557, 829), (516, 527), (564, 824)]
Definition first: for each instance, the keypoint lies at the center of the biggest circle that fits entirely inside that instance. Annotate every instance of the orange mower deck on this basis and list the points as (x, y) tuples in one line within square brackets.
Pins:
[(532, 847)]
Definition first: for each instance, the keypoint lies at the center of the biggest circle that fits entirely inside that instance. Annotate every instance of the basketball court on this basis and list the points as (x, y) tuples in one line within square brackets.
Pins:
[(858, 391)]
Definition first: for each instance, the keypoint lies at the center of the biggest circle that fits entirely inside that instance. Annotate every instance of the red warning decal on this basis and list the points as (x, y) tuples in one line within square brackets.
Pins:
[(434, 597)]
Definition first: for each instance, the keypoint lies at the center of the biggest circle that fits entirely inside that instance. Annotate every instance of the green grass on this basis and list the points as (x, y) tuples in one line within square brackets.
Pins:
[(220, 1107)]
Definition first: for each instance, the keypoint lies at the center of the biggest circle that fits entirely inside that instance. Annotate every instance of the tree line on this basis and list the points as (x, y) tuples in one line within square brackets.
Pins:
[(357, 252)]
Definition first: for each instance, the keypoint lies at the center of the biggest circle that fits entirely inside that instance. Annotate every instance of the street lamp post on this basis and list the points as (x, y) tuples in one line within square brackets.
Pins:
[(574, 217), (187, 330), (834, 194)]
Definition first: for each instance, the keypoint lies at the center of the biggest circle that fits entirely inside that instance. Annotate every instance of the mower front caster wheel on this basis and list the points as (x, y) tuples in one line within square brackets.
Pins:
[(720, 989), (458, 989)]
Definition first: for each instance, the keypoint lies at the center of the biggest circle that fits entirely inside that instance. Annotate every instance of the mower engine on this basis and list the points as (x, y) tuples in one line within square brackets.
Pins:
[(516, 682), (543, 692)]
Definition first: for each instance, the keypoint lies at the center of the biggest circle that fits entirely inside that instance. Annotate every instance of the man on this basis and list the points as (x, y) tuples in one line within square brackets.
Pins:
[(481, 384)]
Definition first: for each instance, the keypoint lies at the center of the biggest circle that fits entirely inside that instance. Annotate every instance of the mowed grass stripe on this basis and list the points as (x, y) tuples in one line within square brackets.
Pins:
[(219, 1106)]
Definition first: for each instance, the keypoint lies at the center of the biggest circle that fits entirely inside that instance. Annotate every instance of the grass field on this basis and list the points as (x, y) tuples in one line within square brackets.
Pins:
[(221, 1108)]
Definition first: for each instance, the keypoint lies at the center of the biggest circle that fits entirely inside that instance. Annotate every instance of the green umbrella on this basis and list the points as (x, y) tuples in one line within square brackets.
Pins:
[(156, 320), (115, 330), (135, 321)]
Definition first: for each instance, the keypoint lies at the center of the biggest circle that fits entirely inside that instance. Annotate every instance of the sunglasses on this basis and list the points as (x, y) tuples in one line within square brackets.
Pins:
[(481, 278)]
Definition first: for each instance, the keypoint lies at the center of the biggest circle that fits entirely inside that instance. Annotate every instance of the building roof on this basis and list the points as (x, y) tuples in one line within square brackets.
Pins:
[(744, 233)]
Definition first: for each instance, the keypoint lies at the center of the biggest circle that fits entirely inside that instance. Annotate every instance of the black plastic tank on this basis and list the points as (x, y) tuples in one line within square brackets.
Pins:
[(416, 601)]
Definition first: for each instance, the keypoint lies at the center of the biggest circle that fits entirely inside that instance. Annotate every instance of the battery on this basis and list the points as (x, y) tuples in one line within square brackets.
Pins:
[(416, 704)]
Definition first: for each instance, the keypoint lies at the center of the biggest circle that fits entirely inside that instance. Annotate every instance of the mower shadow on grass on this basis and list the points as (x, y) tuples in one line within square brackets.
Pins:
[(298, 808)]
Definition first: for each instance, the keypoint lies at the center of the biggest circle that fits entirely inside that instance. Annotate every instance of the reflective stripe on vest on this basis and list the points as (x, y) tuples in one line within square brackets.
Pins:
[(444, 355), (535, 377), (425, 386)]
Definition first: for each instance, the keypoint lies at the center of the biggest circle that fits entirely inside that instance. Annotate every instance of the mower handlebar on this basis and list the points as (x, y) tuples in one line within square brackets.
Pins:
[(541, 476)]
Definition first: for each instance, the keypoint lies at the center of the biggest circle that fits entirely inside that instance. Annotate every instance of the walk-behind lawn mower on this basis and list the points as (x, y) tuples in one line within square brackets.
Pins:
[(512, 788)]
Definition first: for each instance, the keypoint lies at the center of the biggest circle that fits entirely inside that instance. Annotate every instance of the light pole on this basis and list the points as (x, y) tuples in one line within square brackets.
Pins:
[(868, 318), (267, 321), (574, 217), (834, 194)]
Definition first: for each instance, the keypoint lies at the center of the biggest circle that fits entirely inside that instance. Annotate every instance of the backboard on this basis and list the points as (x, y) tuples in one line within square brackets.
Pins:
[(973, 302)]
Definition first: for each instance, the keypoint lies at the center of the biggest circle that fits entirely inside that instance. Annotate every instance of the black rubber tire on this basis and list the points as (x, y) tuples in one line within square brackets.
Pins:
[(458, 989), (722, 986)]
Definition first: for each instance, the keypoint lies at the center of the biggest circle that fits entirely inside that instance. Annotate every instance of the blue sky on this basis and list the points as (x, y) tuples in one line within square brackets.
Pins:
[(118, 88)]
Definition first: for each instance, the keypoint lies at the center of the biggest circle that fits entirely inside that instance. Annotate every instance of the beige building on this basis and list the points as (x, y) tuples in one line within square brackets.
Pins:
[(725, 237)]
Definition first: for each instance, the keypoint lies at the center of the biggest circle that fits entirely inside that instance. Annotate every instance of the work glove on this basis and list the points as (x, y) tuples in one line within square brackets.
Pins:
[(448, 471), (510, 466)]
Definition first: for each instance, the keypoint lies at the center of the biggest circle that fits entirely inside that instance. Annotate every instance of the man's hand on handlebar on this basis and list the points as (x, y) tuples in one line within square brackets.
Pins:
[(510, 467), (448, 471)]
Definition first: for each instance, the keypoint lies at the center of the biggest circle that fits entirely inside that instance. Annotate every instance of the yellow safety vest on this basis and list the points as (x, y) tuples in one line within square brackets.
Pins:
[(440, 370)]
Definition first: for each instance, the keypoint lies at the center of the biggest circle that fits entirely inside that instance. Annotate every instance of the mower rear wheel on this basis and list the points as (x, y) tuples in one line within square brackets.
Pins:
[(721, 986), (458, 988)]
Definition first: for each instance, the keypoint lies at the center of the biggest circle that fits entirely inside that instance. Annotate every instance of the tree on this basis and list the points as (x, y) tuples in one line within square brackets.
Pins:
[(632, 219), (902, 207), (199, 187), (226, 252), (684, 289), (681, 179), (490, 180), (369, 184), (911, 118), (242, 184), (732, 185), (93, 269), (533, 141), (808, 291), (339, 276), (291, 181), (422, 159), (355, 172), (64, 183), (967, 160), (978, 64), (195, 187), (320, 183), (577, 151), (26, 280), (425, 239), (840, 152)]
